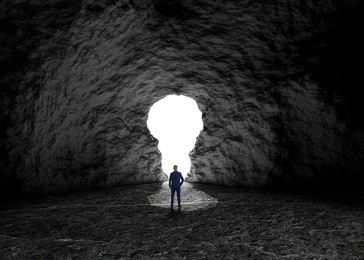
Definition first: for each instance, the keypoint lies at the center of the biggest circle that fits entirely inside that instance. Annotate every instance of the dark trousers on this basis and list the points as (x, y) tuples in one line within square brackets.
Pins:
[(173, 190)]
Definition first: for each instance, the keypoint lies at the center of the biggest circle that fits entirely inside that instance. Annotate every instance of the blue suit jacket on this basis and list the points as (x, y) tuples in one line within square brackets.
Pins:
[(175, 177)]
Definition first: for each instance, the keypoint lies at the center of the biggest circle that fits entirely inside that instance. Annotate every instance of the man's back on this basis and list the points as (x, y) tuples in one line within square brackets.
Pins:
[(176, 177)]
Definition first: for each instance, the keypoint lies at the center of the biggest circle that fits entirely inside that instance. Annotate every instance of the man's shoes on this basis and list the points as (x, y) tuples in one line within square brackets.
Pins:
[(179, 208)]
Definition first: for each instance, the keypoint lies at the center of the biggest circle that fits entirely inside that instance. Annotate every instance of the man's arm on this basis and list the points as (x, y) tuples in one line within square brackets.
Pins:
[(170, 181), (182, 179)]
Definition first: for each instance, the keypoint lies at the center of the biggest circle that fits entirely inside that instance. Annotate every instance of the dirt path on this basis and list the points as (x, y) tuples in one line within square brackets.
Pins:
[(216, 222)]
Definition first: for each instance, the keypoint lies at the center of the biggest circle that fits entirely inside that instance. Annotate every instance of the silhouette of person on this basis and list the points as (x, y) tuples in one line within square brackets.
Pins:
[(175, 182)]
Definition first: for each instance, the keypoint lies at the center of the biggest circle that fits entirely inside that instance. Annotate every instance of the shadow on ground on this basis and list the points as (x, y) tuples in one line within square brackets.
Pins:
[(216, 222)]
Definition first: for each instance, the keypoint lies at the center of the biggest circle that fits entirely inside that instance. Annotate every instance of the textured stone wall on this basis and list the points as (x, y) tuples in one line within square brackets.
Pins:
[(79, 79)]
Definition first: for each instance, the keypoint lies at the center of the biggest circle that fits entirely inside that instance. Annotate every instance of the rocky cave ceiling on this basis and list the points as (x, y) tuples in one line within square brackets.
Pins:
[(277, 84)]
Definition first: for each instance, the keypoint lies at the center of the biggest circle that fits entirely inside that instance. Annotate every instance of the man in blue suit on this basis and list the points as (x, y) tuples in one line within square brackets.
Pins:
[(175, 182)]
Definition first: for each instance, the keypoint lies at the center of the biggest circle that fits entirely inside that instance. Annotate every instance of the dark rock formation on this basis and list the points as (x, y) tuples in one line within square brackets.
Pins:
[(276, 83)]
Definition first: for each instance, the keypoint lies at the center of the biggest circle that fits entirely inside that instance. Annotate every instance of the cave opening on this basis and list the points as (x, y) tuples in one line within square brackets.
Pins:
[(176, 122)]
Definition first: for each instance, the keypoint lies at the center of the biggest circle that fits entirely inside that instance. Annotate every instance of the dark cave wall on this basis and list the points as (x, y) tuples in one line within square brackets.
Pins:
[(75, 108)]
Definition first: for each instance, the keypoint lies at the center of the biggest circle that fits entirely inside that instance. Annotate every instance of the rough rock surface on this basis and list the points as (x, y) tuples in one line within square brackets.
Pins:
[(79, 77)]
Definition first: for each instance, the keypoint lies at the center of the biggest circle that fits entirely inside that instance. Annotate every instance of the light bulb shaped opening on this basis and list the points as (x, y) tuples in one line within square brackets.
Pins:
[(176, 122)]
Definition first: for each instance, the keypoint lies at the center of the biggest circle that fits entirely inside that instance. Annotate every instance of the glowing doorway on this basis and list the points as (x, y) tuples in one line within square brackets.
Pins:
[(176, 122)]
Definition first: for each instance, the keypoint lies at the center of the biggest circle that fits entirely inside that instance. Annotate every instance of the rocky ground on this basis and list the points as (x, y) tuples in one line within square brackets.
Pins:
[(216, 222)]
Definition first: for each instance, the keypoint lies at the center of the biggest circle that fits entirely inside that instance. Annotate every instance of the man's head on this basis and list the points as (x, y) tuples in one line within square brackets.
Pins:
[(175, 167)]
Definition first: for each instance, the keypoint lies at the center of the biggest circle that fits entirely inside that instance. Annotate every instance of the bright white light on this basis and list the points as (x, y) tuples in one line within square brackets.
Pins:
[(176, 122)]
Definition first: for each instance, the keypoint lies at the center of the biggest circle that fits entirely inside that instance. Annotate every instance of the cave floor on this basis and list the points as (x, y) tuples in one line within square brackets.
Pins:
[(216, 222)]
